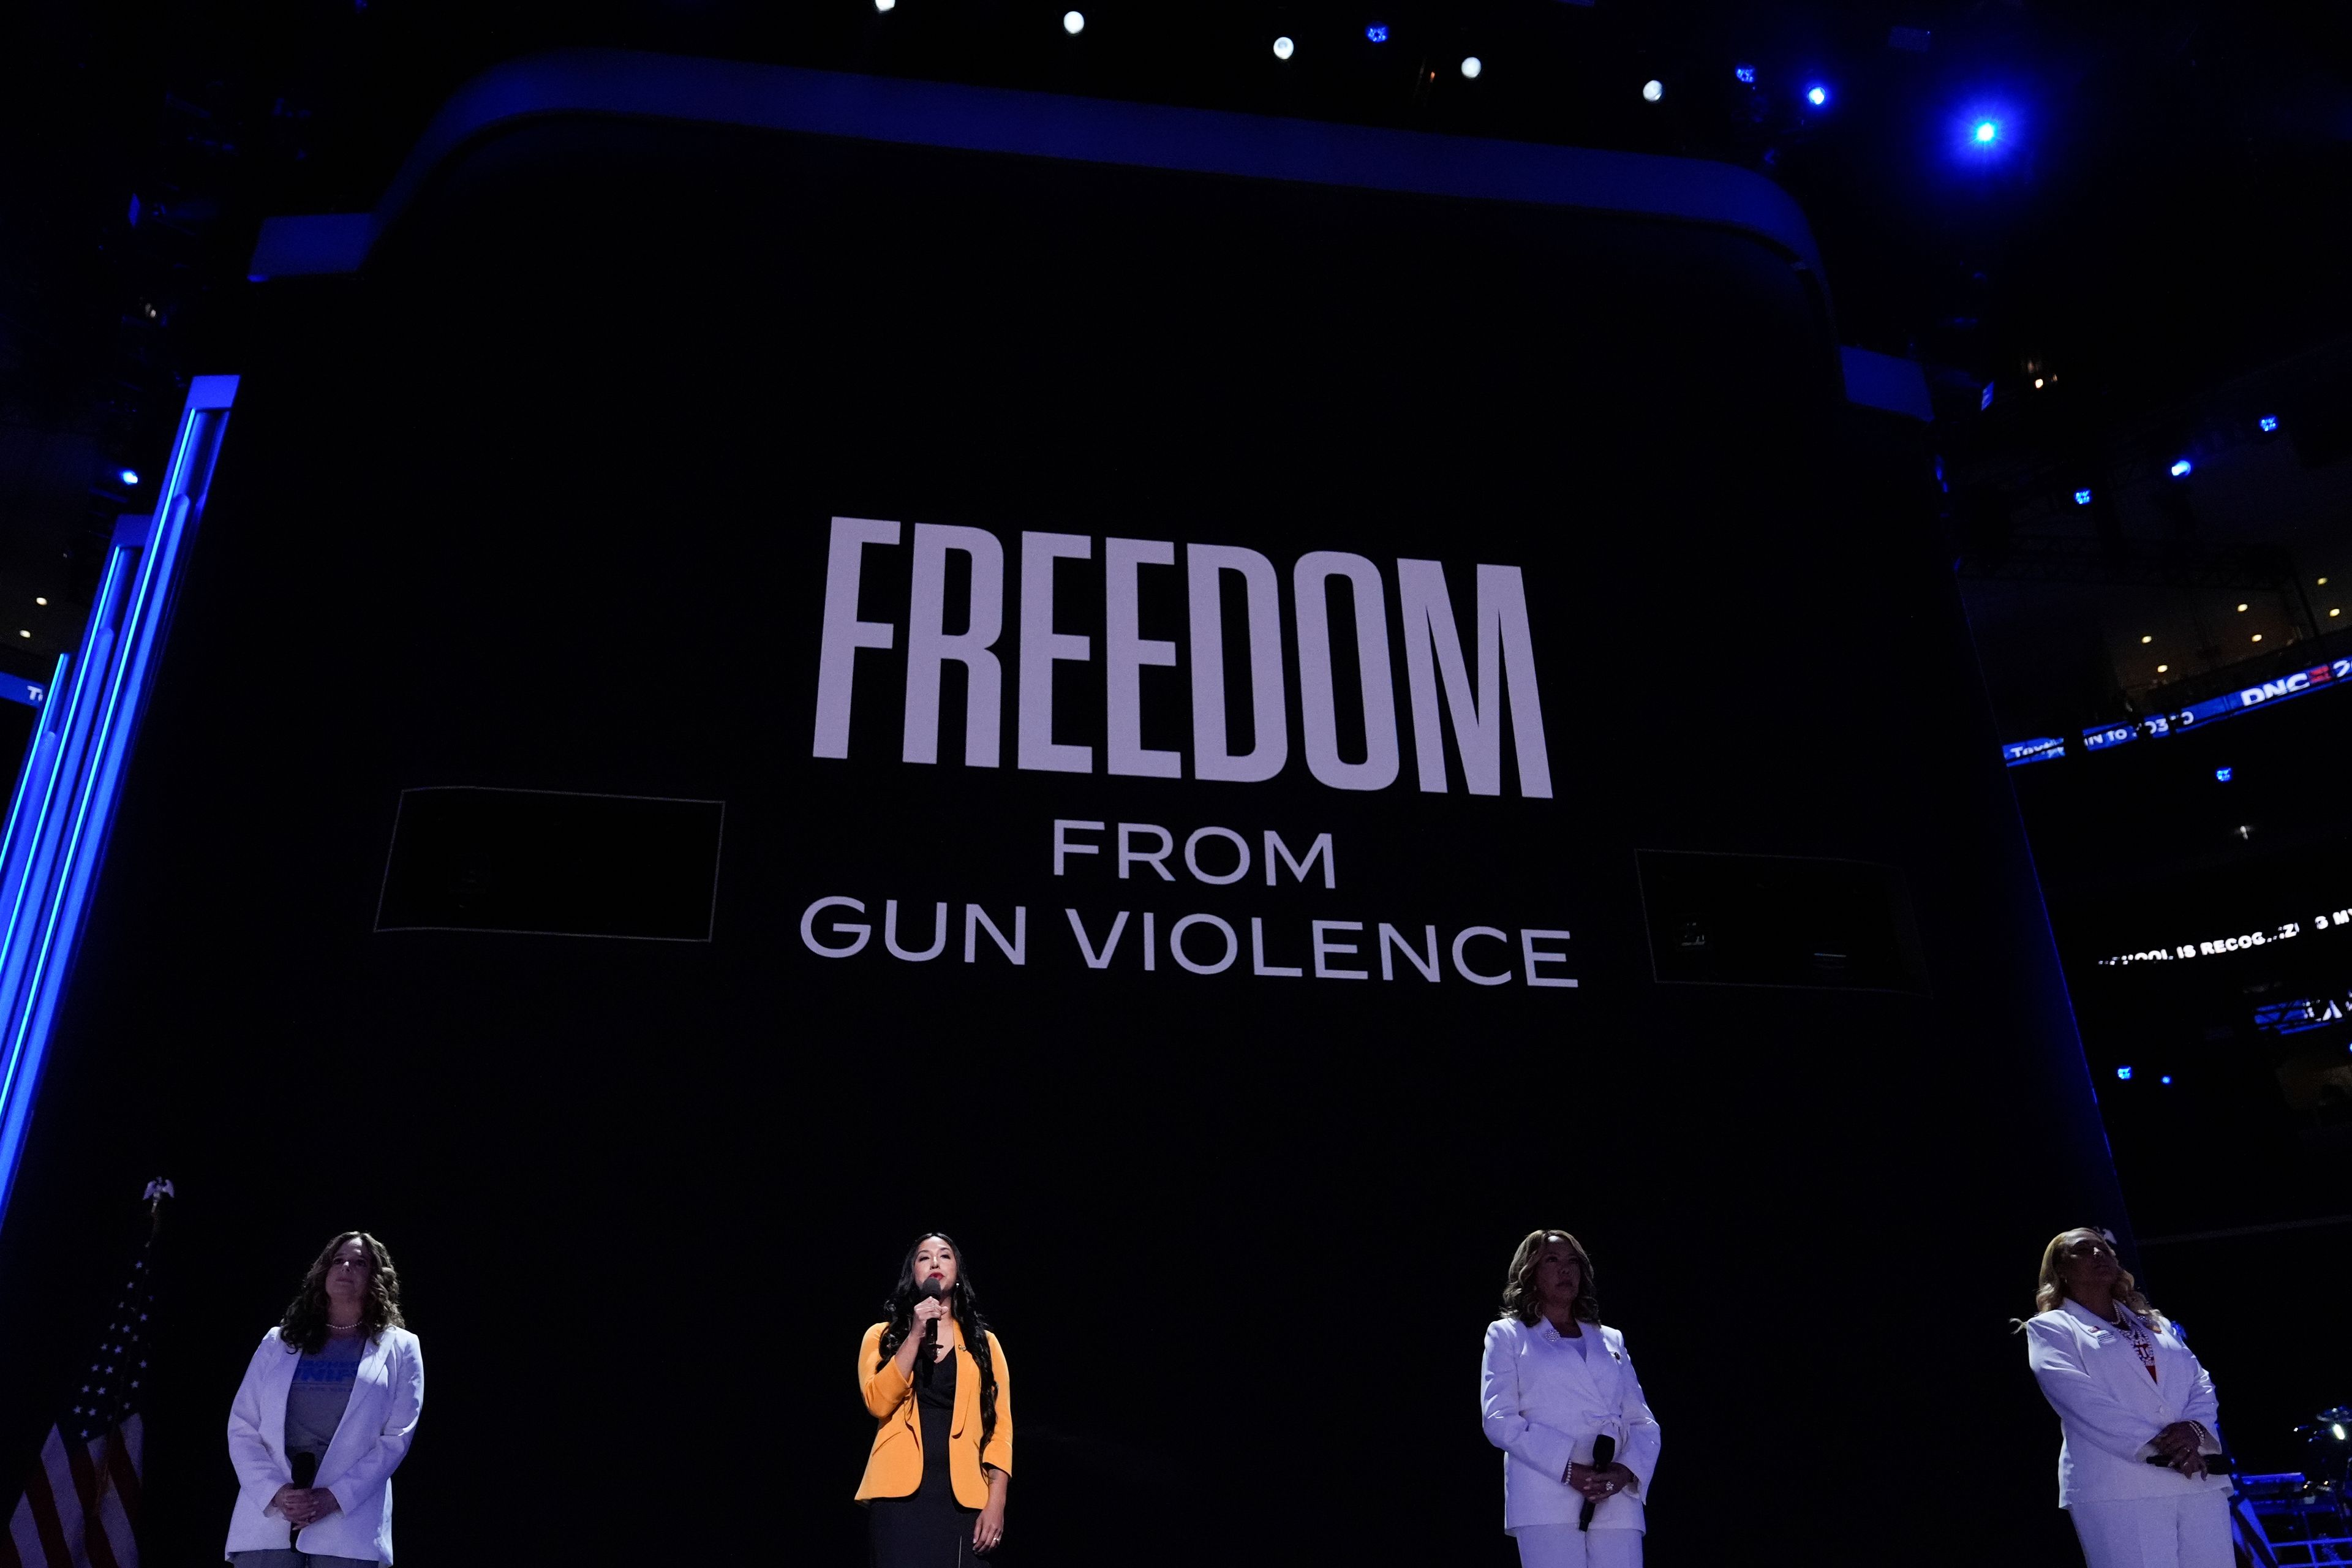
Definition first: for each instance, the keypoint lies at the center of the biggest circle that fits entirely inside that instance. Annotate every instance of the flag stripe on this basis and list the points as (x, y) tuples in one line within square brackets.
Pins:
[(123, 1466), (42, 1501), (86, 1484), (113, 1536)]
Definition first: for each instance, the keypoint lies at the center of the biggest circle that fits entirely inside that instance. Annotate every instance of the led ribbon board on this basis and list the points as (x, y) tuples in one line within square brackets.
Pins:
[(63, 806), (2245, 700)]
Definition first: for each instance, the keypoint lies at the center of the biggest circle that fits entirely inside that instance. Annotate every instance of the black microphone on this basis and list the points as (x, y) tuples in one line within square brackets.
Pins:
[(1604, 1449), (933, 1288)]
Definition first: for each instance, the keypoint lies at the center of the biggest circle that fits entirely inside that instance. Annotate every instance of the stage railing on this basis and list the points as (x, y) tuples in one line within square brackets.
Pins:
[(2285, 1522)]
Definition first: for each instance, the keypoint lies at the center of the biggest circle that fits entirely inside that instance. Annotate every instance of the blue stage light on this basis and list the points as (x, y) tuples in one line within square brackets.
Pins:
[(1817, 96), (2182, 468), (1745, 73), (2269, 422), (2166, 1078), (2081, 498), (2124, 1073), (1987, 130), (2222, 774), (128, 476), (1378, 32)]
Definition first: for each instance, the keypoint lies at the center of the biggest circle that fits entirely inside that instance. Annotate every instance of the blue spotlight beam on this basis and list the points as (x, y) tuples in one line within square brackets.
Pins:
[(62, 809)]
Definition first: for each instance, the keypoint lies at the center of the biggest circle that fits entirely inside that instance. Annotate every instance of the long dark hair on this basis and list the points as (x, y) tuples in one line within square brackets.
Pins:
[(304, 1327), (1521, 1298), (900, 1310)]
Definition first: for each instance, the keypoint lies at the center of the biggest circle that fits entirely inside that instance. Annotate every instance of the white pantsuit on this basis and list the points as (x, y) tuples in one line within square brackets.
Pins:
[(2129, 1513), (1565, 1546), (374, 1437), (2191, 1531), (1543, 1400)]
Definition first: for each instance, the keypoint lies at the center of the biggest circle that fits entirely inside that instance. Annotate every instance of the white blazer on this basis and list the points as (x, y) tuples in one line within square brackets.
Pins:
[(368, 1445), (2110, 1410), (1544, 1404)]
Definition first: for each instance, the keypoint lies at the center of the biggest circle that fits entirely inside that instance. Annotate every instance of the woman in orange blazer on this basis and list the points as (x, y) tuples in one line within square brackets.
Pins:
[(936, 1385)]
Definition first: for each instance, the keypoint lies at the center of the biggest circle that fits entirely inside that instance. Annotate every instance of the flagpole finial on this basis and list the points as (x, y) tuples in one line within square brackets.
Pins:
[(157, 1191)]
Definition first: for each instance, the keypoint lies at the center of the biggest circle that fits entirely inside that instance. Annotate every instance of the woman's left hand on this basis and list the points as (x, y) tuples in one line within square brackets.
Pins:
[(989, 1529), (1598, 1485)]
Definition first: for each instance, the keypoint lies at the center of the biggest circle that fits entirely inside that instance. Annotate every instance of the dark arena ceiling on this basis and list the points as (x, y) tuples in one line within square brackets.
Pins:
[(2144, 225)]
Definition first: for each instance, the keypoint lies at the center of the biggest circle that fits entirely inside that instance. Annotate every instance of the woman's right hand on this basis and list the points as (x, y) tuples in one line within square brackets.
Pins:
[(293, 1502), (928, 1310), (2180, 1443)]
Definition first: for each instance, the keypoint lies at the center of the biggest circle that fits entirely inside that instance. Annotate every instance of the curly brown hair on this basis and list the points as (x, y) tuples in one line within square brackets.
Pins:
[(304, 1327), (1519, 1298)]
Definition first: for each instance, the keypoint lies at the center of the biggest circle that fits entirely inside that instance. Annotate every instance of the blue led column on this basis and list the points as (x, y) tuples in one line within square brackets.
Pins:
[(63, 806)]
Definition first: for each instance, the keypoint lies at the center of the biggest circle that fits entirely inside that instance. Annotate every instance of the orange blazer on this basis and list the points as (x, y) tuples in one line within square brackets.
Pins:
[(895, 1467)]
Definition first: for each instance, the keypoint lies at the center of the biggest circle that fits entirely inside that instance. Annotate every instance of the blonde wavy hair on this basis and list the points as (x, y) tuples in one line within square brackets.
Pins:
[(2052, 1289)]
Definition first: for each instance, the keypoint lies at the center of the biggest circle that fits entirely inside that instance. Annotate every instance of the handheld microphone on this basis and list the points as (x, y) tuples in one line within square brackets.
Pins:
[(932, 1291), (1605, 1450)]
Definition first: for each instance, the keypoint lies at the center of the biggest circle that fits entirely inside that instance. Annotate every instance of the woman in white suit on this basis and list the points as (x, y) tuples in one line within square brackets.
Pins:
[(2138, 1413), (324, 1418), (1555, 1381)]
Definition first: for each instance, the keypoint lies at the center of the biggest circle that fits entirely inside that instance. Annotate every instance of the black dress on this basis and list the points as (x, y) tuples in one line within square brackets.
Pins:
[(930, 1528)]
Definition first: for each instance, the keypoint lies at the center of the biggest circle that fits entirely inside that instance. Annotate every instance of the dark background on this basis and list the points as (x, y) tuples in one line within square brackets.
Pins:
[(1240, 1235)]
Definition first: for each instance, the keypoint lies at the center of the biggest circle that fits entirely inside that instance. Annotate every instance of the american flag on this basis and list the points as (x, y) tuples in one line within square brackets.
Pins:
[(81, 1506)]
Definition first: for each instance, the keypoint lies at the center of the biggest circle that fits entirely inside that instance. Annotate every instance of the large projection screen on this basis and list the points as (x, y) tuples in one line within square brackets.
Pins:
[(1515, 758)]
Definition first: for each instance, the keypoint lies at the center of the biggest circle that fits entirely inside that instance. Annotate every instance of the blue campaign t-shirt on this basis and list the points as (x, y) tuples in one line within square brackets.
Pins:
[(321, 1388)]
